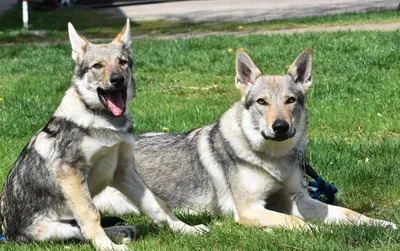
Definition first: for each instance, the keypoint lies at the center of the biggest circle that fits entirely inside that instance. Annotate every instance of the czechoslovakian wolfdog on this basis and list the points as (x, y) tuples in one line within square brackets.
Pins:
[(246, 164), (87, 145)]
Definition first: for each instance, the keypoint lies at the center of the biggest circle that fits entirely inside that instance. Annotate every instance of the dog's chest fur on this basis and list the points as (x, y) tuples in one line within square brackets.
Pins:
[(104, 139), (103, 153), (260, 183)]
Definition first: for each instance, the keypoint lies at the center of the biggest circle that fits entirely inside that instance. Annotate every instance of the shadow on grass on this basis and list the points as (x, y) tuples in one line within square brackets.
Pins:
[(192, 220), (56, 20), (106, 24), (147, 228), (88, 22)]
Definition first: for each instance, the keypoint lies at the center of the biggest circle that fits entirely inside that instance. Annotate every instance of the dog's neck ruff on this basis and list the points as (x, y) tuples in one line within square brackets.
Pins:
[(234, 132), (74, 109)]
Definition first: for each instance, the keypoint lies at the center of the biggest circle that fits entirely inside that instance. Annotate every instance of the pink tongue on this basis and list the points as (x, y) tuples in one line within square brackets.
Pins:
[(115, 103)]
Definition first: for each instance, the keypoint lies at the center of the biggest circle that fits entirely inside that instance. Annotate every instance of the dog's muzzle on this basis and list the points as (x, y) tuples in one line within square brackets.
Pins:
[(113, 99), (279, 137)]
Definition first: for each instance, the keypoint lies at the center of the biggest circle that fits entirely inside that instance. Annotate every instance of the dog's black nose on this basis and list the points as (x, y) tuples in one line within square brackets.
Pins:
[(117, 79), (280, 127)]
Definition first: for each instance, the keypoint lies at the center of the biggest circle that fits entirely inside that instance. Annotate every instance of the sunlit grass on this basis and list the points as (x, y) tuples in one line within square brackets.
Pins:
[(354, 132)]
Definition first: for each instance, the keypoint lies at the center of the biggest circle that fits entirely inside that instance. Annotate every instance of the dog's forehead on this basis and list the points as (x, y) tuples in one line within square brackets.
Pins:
[(275, 84), (105, 51)]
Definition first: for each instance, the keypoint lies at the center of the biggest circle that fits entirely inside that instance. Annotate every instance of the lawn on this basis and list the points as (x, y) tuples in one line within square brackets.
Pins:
[(354, 129), (98, 24)]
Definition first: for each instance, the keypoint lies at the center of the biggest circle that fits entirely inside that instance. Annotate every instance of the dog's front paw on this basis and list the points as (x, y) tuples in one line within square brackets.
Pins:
[(187, 229), (387, 224), (120, 248), (106, 244)]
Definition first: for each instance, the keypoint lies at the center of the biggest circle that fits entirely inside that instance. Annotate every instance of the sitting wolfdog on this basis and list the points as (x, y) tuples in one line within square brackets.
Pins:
[(86, 146), (247, 164)]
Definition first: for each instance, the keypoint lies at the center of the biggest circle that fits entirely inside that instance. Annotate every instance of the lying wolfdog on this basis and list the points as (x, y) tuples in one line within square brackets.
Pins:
[(86, 146), (248, 163)]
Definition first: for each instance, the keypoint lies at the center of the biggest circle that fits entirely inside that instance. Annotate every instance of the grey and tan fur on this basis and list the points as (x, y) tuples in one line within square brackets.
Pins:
[(245, 164), (86, 146)]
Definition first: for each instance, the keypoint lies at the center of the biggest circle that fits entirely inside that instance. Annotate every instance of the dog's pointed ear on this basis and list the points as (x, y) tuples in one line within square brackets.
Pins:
[(246, 71), (79, 44), (124, 37), (300, 69)]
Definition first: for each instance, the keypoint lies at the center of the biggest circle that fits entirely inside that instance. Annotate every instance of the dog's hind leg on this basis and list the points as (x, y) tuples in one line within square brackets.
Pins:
[(55, 230), (69, 230)]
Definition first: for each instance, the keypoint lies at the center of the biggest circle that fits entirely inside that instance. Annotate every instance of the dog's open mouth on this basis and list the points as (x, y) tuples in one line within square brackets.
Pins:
[(113, 100), (278, 138)]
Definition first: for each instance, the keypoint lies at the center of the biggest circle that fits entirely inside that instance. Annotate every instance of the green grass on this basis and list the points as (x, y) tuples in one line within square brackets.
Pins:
[(353, 127), (101, 24)]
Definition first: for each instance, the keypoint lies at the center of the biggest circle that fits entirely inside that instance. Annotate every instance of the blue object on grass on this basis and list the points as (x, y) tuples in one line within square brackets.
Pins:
[(320, 187), (2, 238)]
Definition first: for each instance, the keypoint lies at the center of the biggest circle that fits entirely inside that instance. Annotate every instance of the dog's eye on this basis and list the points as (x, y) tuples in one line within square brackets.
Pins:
[(290, 100), (97, 66), (123, 62), (262, 101)]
